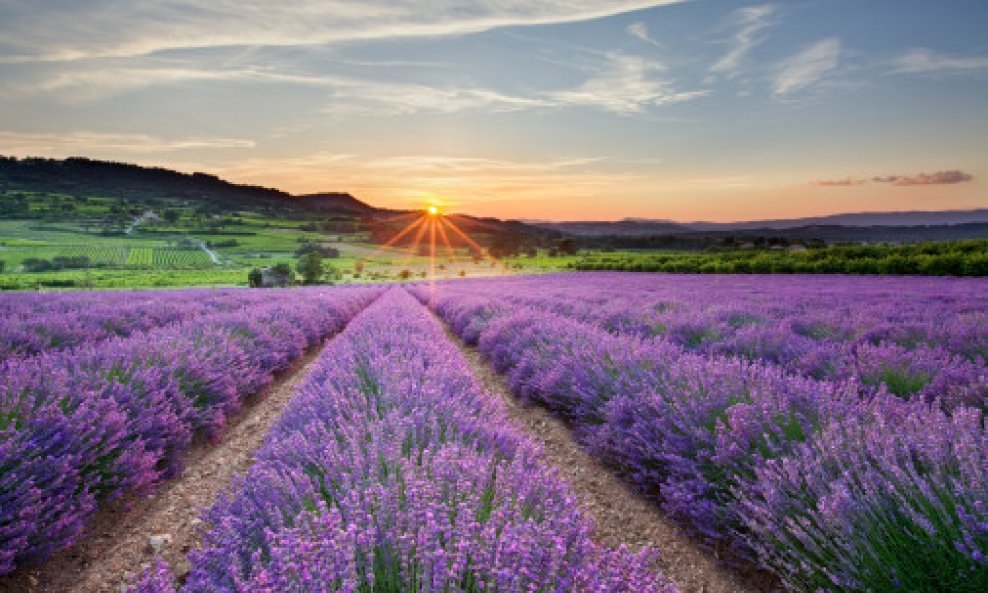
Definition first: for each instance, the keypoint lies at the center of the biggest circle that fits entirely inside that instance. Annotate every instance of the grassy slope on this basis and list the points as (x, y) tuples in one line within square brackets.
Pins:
[(160, 254)]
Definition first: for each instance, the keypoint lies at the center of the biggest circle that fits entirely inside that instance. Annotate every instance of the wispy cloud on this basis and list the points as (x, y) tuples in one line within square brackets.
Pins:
[(622, 84), (925, 61), (88, 143), (749, 23), (938, 178), (75, 30), (365, 97), (619, 83), (626, 85), (98, 81), (458, 164), (808, 66), (845, 182), (639, 30)]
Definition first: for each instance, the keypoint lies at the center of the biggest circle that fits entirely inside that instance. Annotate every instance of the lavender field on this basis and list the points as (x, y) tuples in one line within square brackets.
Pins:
[(829, 429), (827, 433)]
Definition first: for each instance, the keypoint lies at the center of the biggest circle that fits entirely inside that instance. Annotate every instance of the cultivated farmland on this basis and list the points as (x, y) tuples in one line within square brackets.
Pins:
[(804, 433)]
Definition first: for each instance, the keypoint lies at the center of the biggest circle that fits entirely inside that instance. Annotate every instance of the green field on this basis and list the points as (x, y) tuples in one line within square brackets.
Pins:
[(140, 257), (156, 253), (151, 243)]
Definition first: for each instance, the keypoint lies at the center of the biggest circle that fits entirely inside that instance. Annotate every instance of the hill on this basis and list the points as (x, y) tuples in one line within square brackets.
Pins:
[(158, 187), (86, 177)]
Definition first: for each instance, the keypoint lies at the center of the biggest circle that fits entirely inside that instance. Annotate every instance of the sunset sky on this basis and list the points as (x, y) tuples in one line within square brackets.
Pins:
[(560, 109)]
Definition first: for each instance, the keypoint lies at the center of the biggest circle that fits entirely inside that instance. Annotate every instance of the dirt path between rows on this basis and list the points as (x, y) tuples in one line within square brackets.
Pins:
[(117, 543), (621, 516)]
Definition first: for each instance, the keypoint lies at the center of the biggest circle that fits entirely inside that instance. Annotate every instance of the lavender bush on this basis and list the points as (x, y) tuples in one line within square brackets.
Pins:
[(831, 328), (31, 323), (696, 397), (894, 500), (85, 425), (392, 470)]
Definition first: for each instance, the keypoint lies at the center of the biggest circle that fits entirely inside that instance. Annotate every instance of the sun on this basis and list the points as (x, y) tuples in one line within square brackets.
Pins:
[(432, 210)]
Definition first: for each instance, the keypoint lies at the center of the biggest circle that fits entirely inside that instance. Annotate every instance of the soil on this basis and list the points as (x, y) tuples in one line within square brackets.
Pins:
[(117, 543), (621, 516)]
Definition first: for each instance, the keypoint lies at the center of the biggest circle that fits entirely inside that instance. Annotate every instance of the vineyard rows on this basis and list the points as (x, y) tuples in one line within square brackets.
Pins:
[(141, 257)]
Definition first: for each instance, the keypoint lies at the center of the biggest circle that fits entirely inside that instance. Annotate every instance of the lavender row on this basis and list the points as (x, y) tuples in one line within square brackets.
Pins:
[(906, 335), (392, 470), (32, 323), (830, 491), (698, 311), (83, 426)]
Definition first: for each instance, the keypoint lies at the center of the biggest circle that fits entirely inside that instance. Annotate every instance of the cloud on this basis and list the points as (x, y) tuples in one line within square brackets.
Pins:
[(846, 182), (808, 66), (621, 84), (365, 97), (749, 21), (626, 86), (924, 61), (639, 30), (348, 95), (103, 80), (78, 30), (938, 178), (89, 143)]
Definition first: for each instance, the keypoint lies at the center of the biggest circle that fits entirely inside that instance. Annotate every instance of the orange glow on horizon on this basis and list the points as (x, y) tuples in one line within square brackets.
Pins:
[(411, 226), (432, 220)]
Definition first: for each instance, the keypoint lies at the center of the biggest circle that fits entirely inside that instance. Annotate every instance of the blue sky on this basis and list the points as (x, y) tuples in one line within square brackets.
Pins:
[(566, 109)]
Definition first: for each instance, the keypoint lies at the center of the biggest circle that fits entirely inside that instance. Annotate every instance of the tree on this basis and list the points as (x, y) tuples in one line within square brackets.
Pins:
[(281, 274), (310, 266), (568, 247), (255, 278), (332, 273), (171, 215), (504, 247), (324, 250)]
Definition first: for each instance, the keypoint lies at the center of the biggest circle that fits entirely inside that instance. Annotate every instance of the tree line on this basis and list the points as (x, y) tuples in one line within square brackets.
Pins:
[(948, 258)]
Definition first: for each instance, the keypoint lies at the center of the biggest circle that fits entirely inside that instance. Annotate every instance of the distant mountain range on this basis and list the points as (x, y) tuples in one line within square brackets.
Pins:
[(647, 227), (88, 177)]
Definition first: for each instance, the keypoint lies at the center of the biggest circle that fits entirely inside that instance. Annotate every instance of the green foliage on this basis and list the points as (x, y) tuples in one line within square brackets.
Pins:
[(310, 267), (32, 264), (312, 247), (283, 274), (948, 258), (181, 258), (140, 257), (255, 278)]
